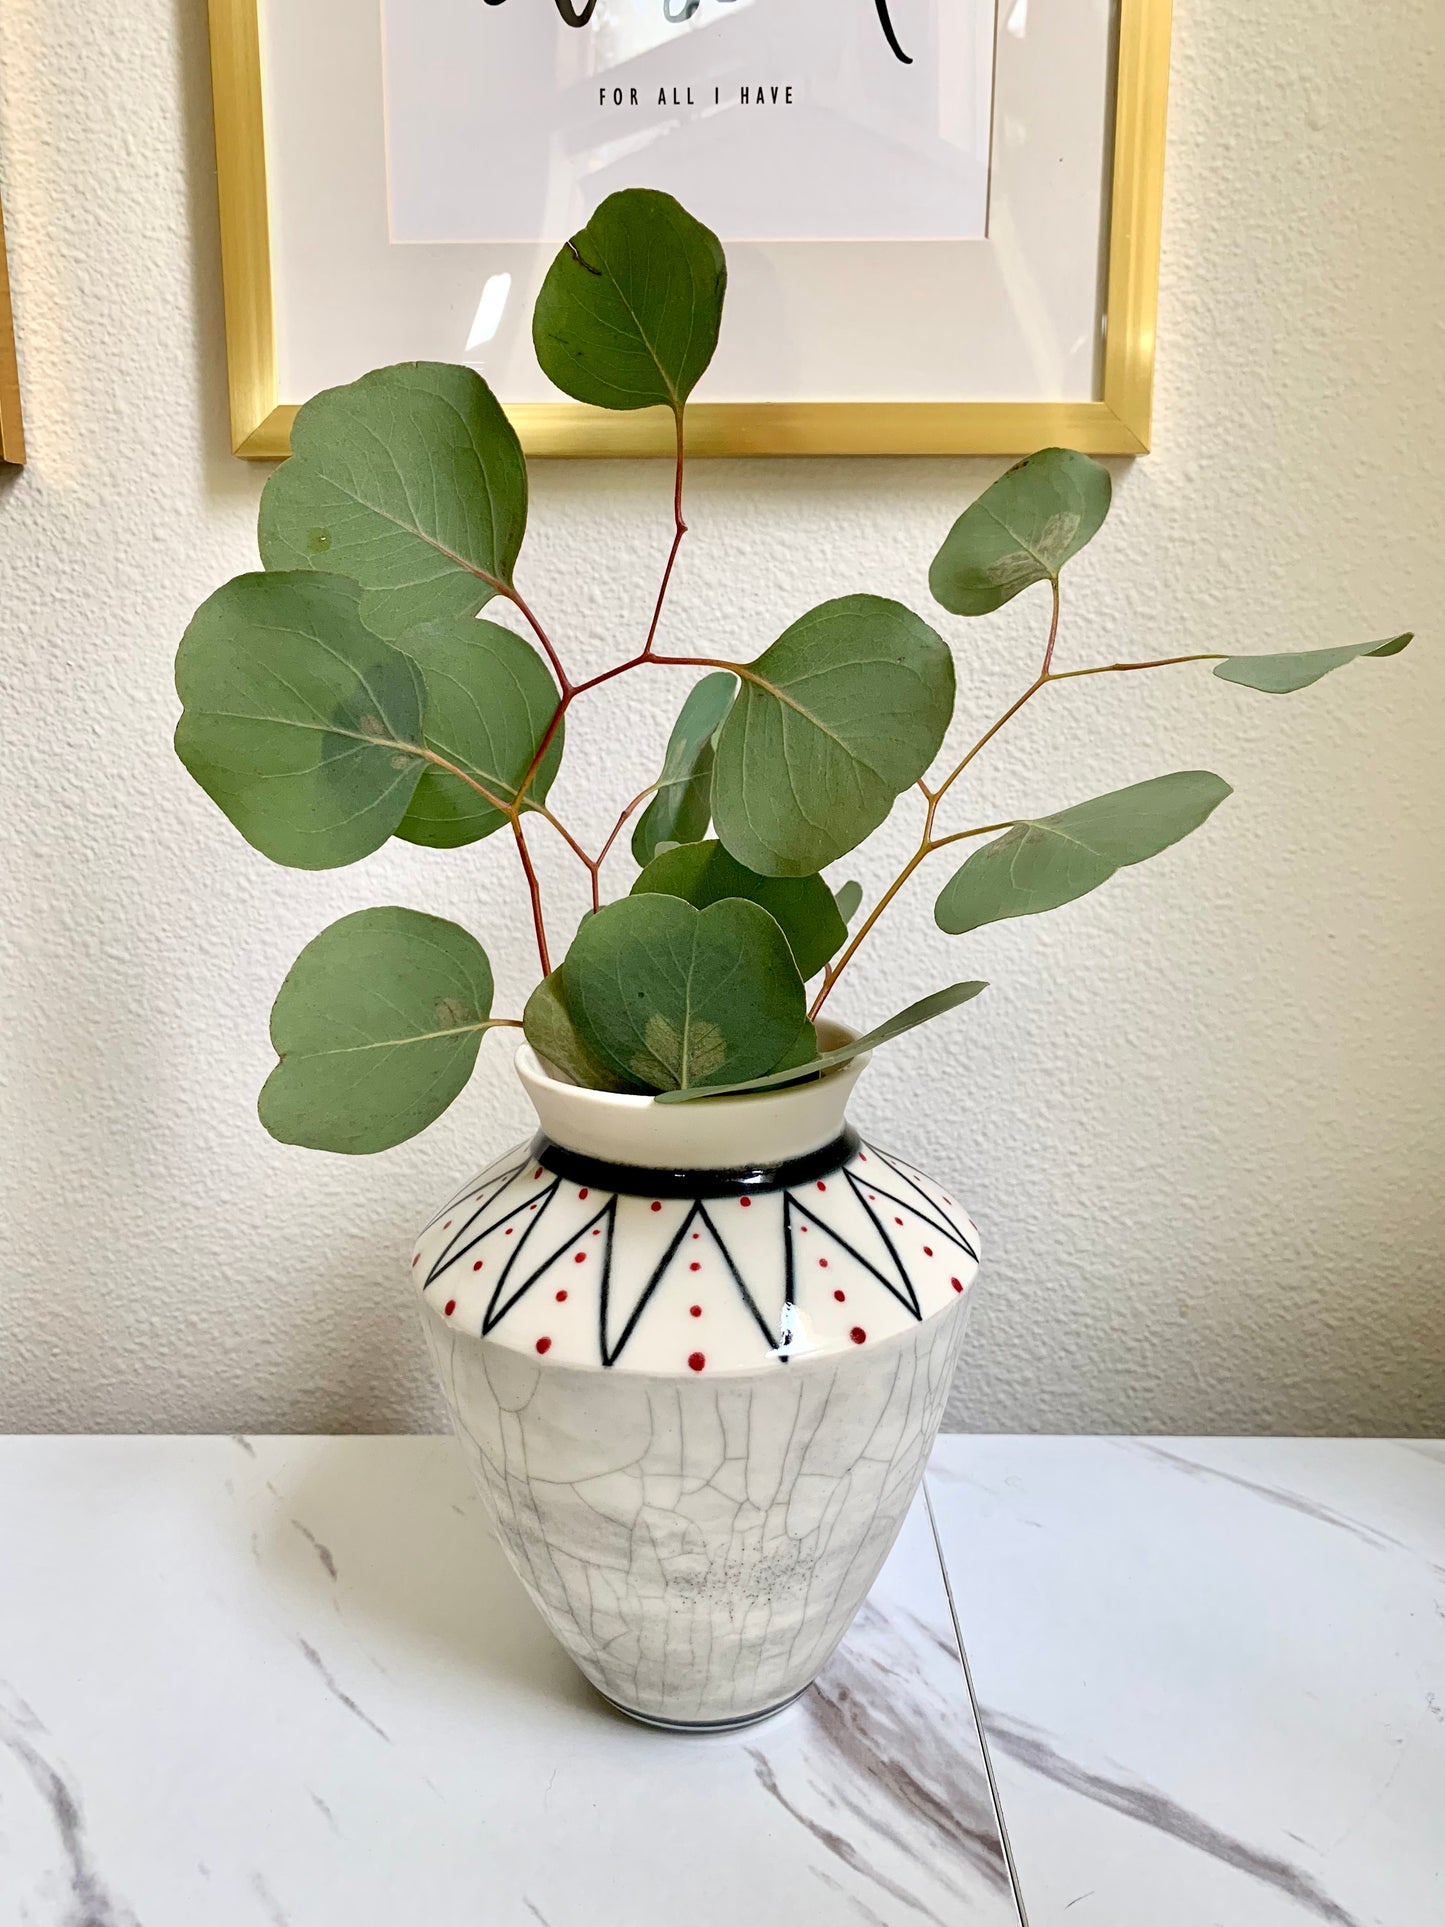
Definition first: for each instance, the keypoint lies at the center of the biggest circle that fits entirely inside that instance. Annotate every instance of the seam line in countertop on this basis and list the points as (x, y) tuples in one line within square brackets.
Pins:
[(1008, 1852)]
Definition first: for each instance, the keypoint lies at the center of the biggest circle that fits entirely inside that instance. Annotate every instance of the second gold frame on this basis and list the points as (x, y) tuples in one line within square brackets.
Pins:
[(1117, 423)]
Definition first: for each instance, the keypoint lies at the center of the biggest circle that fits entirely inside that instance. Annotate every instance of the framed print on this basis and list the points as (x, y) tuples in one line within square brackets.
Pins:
[(941, 216), (12, 430)]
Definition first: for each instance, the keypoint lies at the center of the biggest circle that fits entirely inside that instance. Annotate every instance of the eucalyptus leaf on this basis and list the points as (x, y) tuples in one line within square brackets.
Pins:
[(377, 1028), (629, 312), (549, 1029), (299, 722), (1044, 862), (920, 1013), (489, 699), (803, 1049), (843, 713), (682, 808), (1282, 674), (848, 900), (1021, 530), (674, 996), (411, 481), (803, 907)]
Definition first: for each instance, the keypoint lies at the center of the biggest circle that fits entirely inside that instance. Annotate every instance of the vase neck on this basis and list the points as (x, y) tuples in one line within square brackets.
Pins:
[(753, 1132)]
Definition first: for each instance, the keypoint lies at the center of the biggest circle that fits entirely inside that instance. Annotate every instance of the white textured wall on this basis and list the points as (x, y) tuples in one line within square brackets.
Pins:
[(1199, 1115)]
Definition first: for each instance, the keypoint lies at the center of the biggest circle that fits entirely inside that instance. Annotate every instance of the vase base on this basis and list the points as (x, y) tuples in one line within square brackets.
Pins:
[(704, 1726)]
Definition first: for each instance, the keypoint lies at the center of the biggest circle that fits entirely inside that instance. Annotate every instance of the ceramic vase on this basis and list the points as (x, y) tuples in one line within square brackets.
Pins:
[(697, 1356)]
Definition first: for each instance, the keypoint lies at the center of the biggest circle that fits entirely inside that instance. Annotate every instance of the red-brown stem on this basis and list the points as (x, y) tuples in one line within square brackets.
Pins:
[(571, 690), (617, 827), (926, 848), (535, 892), (679, 530), (541, 634), (1053, 631), (1123, 668)]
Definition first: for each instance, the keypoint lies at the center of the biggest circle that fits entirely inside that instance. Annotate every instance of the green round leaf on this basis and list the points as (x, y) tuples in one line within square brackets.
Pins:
[(796, 1070), (377, 1028), (802, 907), (411, 481), (843, 713), (1051, 860), (549, 1029), (629, 313), (489, 699), (676, 997), (297, 719), (1282, 674), (1023, 529), (848, 900), (682, 808)]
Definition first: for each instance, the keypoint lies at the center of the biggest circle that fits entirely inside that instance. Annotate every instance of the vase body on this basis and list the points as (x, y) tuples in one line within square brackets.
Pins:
[(697, 1356)]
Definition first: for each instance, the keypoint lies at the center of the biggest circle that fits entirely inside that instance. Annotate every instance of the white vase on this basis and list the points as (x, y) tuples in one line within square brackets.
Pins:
[(697, 1356)]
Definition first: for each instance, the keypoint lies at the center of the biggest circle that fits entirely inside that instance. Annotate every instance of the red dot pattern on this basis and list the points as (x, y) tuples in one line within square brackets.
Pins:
[(696, 1360)]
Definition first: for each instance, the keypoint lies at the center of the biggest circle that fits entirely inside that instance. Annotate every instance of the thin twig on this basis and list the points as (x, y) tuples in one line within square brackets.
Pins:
[(1123, 668), (928, 843), (541, 634), (535, 892), (617, 827), (679, 530)]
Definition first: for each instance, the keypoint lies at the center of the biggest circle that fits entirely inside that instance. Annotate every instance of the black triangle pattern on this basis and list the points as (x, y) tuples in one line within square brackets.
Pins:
[(902, 1290), (929, 1211), (465, 1239), (517, 1278), (501, 1302)]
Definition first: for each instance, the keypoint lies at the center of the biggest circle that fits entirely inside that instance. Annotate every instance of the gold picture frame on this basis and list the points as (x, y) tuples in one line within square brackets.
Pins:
[(1117, 423), (12, 426)]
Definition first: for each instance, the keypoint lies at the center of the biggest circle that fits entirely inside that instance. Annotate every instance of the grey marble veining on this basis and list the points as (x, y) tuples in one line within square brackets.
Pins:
[(1211, 1674), (246, 1682)]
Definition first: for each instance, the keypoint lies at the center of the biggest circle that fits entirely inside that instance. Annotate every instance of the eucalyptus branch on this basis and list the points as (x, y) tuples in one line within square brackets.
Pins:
[(571, 690), (564, 681), (1123, 668), (617, 828), (929, 843), (534, 890), (679, 530), (925, 849), (1053, 631), (512, 813)]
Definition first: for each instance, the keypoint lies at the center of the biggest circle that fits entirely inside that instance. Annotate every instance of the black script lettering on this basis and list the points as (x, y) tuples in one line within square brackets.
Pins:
[(677, 12)]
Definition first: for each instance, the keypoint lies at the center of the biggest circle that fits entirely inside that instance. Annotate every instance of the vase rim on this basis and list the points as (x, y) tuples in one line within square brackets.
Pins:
[(753, 1128)]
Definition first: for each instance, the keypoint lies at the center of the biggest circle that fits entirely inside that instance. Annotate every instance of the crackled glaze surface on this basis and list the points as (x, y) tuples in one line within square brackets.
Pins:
[(700, 1546), (698, 1400)]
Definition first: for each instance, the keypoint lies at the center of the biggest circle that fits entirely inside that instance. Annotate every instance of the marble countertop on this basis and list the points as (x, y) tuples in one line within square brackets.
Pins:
[(246, 1682)]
